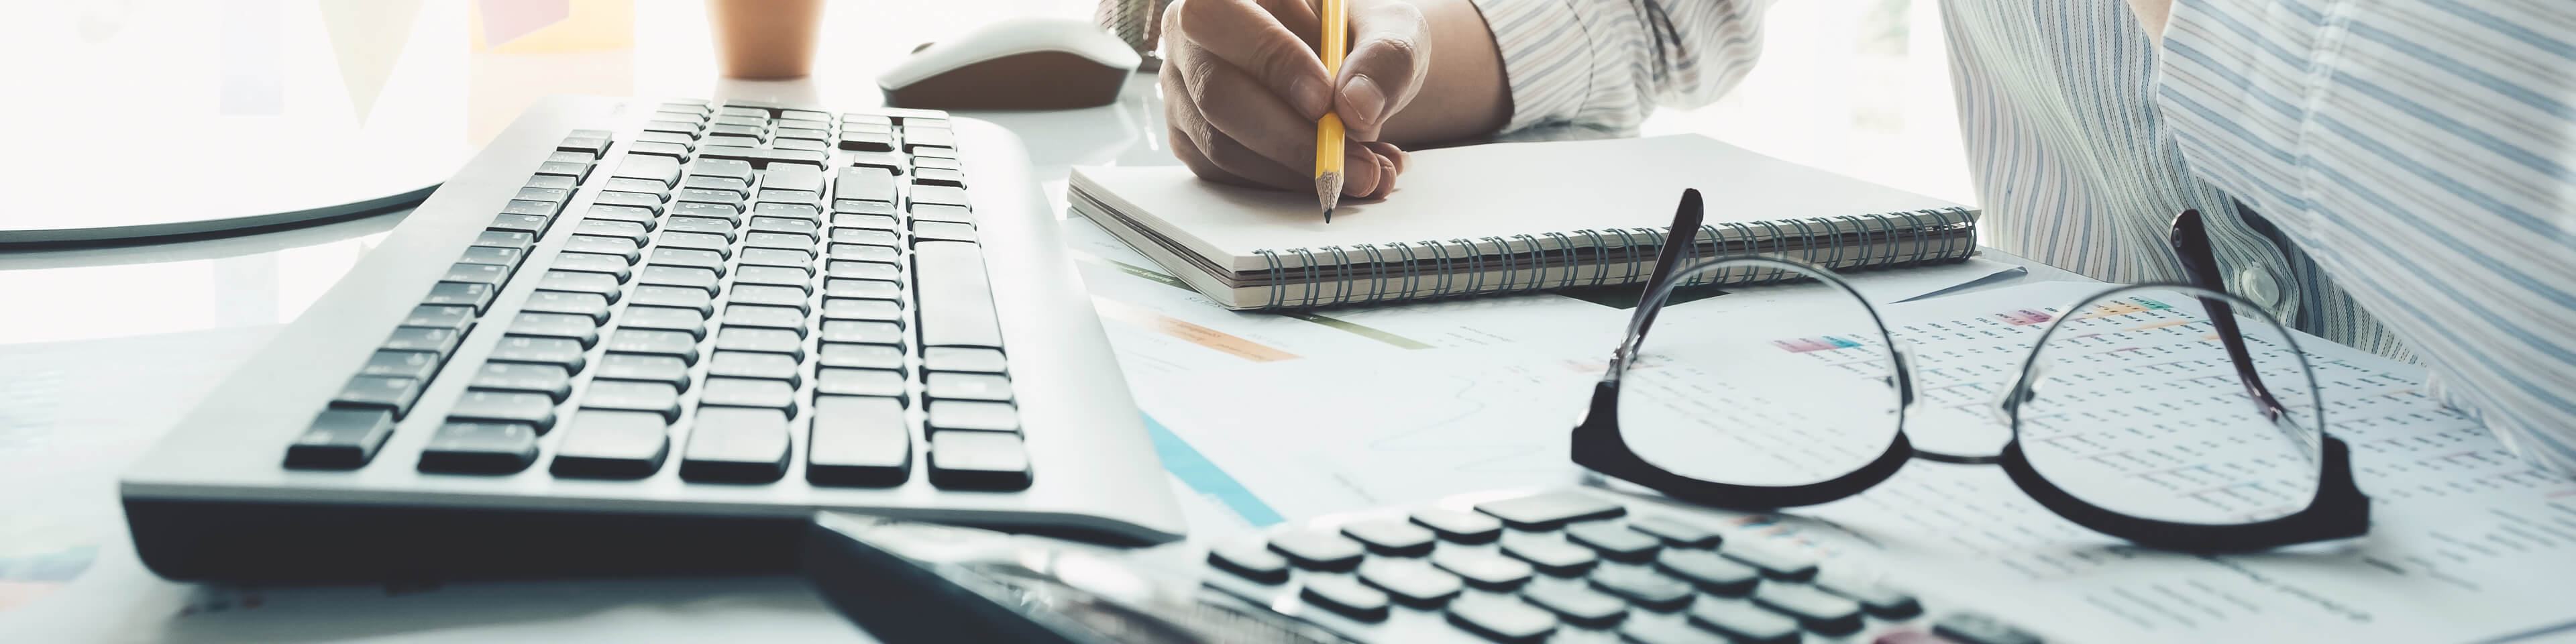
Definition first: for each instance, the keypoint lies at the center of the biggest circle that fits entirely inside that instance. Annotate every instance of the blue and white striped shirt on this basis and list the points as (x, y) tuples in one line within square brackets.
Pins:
[(2410, 159)]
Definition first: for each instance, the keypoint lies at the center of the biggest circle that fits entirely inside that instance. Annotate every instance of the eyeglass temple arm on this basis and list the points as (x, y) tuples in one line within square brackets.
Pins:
[(2190, 241), (1686, 219)]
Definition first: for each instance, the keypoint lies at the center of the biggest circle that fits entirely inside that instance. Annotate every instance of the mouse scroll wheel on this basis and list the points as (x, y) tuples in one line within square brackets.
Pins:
[(917, 48)]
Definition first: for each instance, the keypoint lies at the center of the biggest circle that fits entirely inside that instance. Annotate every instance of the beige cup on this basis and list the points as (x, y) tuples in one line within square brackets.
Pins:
[(765, 38)]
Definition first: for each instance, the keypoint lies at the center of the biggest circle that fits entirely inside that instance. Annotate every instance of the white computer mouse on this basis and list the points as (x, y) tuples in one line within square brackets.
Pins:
[(1015, 64)]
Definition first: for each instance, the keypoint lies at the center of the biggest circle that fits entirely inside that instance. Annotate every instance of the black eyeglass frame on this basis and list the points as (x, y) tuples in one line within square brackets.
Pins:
[(2338, 510)]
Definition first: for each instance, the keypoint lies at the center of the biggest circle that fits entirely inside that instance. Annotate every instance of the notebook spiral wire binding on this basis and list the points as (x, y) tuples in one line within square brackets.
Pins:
[(1432, 268)]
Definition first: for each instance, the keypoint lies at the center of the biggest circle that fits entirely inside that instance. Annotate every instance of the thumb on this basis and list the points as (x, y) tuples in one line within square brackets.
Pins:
[(1389, 56)]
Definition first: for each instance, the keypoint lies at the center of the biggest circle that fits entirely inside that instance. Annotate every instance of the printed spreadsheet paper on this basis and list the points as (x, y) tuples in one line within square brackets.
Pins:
[(2462, 548)]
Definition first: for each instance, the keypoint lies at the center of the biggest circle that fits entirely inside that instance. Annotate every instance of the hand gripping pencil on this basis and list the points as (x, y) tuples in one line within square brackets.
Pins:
[(1328, 130)]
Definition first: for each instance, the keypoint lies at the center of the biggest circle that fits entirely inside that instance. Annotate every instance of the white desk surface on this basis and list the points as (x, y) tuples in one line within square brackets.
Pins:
[(104, 347)]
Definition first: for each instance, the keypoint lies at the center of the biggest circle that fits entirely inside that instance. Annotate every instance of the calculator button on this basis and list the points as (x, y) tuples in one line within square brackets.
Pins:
[(1315, 550), (1391, 537), (1550, 510), (1613, 541), (1674, 532), (1410, 581), (1461, 527), (1501, 618), (1483, 569), (1643, 586), (1979, 628), (1345, 596), (1248, 559), (1817, 610), (1878, 601), (1772, 563), (1710, 572), (1577, 604), (1743, 622), (1555, 557)]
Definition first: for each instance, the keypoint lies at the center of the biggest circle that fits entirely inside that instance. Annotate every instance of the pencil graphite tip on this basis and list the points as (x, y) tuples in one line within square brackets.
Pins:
[(1328, 191)]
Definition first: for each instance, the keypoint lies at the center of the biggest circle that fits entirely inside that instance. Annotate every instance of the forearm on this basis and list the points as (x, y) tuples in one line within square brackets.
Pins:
[(1465, 94)]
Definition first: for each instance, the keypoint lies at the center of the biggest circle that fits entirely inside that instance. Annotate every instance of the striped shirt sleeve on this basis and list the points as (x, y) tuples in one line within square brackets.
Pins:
[(2420, 152), (1608, 63)]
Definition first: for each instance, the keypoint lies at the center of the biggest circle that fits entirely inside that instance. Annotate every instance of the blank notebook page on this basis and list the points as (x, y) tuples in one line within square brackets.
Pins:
[(1493, 190)]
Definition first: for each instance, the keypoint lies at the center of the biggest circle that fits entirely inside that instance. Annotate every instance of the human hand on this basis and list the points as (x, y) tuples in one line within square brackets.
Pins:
[(1242, 88)]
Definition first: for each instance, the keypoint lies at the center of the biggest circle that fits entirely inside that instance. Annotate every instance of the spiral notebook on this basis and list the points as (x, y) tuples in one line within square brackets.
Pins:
[(1513, 217)]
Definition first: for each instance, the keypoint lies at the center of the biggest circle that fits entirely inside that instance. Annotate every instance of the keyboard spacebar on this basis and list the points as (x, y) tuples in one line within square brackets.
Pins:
[(956, 301)]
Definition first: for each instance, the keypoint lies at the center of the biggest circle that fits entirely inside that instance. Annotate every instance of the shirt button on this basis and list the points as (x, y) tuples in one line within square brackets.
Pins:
[(2256, 285)]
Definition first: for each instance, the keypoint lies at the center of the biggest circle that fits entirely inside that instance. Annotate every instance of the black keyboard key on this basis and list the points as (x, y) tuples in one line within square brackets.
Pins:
[(776, 317), (1643, 587), (860, 382), (1314, 550), (1675, 532), (689, 258), (1577, 604), (769, 295), (1817, 610), (663, 169), (1461, 527), (537, 410), (1773, 563), (418, 365), (439, 316), (649, 368), (759, 339), (1742, 622), (1614, 542), (749, 392), (858, 442), (751, 364), (676, 297), (1346, 596), (963, 359), (1555, 557), (478, 296), (1879, 601), (479, 448), (553, 351), (688, 321), (1249, 560), (494, 255), (1711, 573), (1502, 619), (681, 276), (1550, 510), (1483, 569), (1388, 536), (552, 380), (556, 325), (612, 444), (736, 445), (1411, 581), (438, 341), (868, 184), (1652, 631), (974, 416), (956, 300), (341, 439), (619, 246), (592, 305), (633, 395), (1979, 628), (978, 461), (600, 284)]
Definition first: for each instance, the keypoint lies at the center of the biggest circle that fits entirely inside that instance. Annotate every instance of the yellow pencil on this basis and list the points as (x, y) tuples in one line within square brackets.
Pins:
[(1328, 130)]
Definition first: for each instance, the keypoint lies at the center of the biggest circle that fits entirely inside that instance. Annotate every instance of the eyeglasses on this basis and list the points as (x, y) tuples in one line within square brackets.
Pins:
[(2128, 415)]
